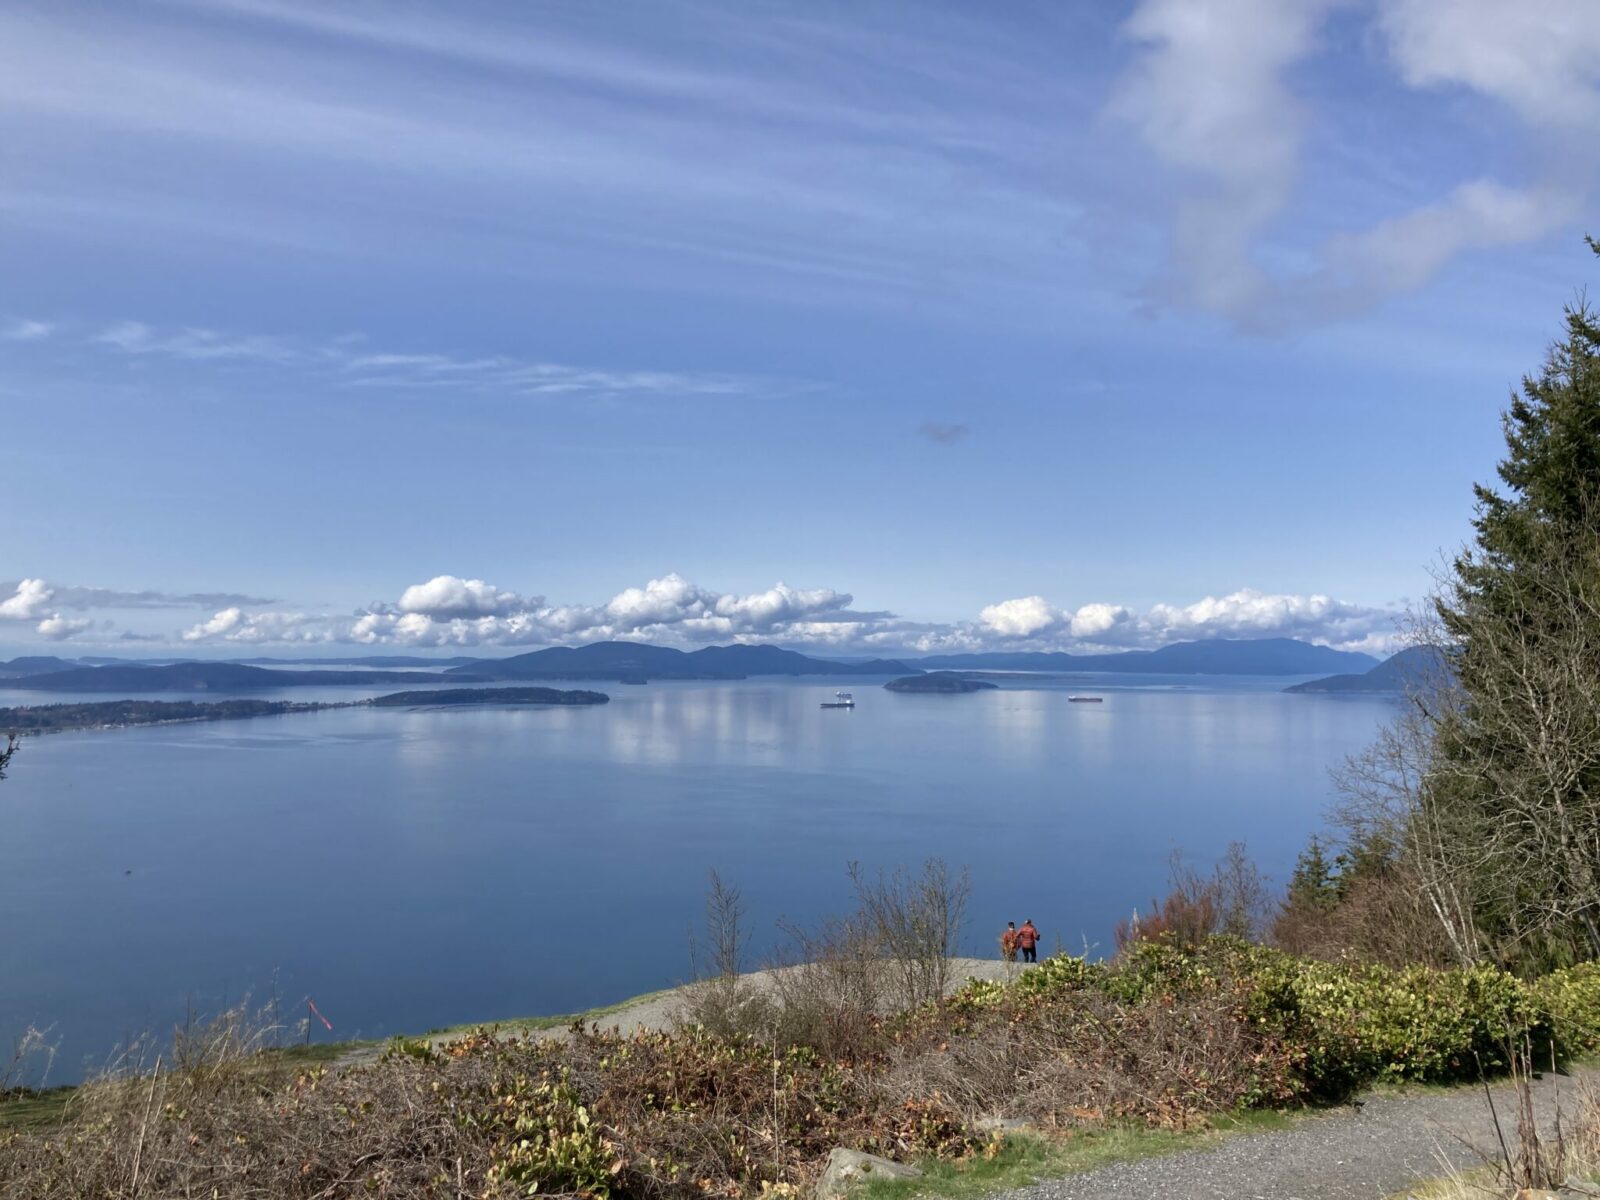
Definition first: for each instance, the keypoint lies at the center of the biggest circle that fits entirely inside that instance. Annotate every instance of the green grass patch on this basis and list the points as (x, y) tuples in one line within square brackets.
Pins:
[(316, 1052), (1259, 1120), (1027, 1158), (1024, 1159), (26, 1108)]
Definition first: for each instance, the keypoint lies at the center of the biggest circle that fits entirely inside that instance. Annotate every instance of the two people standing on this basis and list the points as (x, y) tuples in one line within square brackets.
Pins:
[(1025, 939)]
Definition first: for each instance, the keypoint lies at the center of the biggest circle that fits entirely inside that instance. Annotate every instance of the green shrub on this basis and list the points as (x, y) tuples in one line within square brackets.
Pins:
[(544, 1142), (1059, 973), (1570, 1001)]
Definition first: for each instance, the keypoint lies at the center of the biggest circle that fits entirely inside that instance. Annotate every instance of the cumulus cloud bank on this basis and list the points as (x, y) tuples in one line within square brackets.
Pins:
[(449, 610), (30, 599), (35, 600)]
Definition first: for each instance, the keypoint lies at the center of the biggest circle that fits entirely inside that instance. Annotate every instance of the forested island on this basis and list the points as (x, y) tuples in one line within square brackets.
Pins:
[(939, 683), (517, 695), (119, 714)]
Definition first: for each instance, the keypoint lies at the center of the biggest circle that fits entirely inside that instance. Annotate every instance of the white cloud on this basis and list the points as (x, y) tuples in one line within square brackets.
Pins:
[(1248, 613), (1540, 57), (1209, 96), (31, 599), (780, 605), (1026, 617), (1093, 622), (236, 625), (1210, 93), (58, 628), (446, 596), (1033, 623), (27, 331)]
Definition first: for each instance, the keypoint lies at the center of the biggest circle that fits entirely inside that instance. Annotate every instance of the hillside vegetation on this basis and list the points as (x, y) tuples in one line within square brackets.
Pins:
[(1167, 1037)]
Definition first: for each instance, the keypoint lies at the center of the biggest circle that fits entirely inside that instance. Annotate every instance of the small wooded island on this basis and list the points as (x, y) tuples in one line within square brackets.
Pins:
[(119, 714), (515, 695), (939, 682)]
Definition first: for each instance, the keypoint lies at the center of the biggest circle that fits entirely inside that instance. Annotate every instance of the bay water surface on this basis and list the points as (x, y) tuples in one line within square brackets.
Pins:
[(412, 869)]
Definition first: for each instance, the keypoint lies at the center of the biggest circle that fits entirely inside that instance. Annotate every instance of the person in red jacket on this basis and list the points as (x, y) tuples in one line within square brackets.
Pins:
[(1028, 941), (1008, 942)]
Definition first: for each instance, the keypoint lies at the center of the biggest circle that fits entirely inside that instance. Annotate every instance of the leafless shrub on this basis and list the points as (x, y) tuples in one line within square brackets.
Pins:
[(722, 999), (1530, 1160), (1384, 917), (1165, 1063), (917, 920), (833, 983), (832, 987), (1235, 899)]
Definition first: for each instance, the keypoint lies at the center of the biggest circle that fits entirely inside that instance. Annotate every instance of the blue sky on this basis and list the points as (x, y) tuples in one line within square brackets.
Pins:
[(1024, 325)]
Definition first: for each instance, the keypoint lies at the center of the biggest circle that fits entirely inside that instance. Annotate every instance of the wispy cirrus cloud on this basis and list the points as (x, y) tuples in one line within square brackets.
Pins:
[(71, 596), (27, 331), (350, 362)]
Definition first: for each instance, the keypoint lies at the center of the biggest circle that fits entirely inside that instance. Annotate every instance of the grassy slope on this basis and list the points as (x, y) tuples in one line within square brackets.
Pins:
[(46, 1107)]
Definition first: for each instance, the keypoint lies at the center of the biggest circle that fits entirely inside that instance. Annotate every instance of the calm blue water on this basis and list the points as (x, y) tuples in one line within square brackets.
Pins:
[(415, 869)]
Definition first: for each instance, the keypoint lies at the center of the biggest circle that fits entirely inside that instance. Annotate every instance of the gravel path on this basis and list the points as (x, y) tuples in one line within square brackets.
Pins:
[(1389, 1144)]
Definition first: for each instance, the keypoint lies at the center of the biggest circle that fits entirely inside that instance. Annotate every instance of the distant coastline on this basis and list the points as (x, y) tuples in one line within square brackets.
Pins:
[(126, 714)]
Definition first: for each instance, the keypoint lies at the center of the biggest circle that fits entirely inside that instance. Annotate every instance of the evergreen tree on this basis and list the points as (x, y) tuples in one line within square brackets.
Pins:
[(1313, 887), (1515, 776)]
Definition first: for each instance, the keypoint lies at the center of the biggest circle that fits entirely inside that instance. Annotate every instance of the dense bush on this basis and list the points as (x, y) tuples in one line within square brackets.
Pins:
[(1570, 1001), (1336, 1026)]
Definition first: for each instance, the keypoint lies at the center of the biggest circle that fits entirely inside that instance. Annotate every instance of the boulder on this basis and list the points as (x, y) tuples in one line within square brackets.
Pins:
[(846, 1167)]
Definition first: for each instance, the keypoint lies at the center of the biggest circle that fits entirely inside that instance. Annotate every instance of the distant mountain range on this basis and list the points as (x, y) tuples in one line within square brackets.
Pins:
[(633, 662), (1412, 666), (41, 664), (1216, 656), (375, 661)]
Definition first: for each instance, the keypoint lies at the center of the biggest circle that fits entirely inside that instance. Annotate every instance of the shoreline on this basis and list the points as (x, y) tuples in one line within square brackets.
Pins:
[(94, 713)]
